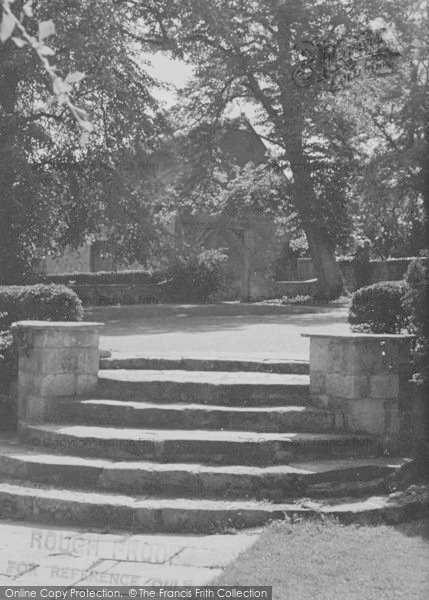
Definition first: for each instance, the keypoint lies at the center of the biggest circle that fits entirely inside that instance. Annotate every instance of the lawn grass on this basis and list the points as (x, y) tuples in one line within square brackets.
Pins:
[(323, 560)]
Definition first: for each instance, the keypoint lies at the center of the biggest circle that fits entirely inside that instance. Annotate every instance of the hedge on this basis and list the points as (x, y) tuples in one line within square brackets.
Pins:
[(38, 302), (106, 277), (416, 306), (8, 362), (378, 308)]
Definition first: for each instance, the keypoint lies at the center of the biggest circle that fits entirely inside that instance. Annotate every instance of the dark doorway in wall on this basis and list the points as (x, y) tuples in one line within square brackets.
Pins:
[(101, 257)]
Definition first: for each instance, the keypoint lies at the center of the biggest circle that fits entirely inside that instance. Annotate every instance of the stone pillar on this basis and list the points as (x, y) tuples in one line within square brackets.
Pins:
[(56, 359), (364, 378)]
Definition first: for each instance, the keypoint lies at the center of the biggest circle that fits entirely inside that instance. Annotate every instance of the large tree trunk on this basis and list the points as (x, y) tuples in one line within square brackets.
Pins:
[(322, 249), (330, 279)]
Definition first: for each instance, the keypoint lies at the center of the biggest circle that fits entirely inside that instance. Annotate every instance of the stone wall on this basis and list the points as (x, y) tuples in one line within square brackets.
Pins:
[(253, 246), (113, 294), (389, 269), (296, 288)]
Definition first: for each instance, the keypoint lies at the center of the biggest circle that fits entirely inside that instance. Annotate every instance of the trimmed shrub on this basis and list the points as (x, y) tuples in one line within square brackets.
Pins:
[(378, 308), (416, 296), (415, 303), (196, 278), (8, 362), (39, 302)]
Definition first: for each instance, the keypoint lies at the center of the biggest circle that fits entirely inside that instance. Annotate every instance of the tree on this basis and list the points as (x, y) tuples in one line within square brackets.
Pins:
[(245, 50), (388, 135), (57, 189)]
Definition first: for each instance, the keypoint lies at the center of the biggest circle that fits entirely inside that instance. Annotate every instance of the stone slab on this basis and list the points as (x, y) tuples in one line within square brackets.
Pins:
[(189, 363), (220, 387), (163, 575), (211, 377), (221, 447), (198, 416), (58, 325), (376, 337), (28, 557), (66, 506)]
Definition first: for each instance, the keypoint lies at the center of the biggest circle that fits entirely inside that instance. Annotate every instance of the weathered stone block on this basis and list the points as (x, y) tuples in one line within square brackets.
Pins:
[(334, 352), (81, 340), (85, 384), (58, 384), (360, 357), (47, 339), (384, 386), (32, 408), (373, 416), (30, 361), (59, 360), (89, 361), (317, 382), (319, 355), (347, 386)]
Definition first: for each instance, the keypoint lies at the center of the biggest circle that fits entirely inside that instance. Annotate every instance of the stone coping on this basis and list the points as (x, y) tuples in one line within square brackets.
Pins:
[(71, 325), (361, 336), (295, 281)]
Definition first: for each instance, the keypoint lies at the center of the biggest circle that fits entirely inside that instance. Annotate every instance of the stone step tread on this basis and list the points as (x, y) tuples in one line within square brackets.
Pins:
[(65, 496), (214, 363), (195, 415), (242, 358), (206, 408), (203, 377), (26, 455), (27, 489), (136, 434)]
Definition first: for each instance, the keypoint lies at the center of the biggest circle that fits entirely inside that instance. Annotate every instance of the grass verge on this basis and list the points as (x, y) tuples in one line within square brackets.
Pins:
[(324, 560)]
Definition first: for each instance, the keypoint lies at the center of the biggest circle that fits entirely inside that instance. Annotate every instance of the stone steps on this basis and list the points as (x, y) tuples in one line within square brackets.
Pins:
[(212, 447), (321, 478), (209, 446), (275, 419), (205, 387), (124, 361)]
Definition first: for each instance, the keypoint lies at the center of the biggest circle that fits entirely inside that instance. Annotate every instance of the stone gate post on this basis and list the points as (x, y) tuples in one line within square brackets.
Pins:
[(364, 378), (56, 359)]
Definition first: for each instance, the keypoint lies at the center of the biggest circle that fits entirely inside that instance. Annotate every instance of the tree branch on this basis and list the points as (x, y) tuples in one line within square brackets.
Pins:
[(44, 115)]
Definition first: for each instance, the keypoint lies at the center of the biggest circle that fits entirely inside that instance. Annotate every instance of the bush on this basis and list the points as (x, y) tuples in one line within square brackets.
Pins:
[(416, 296), (8, 361), (378, 308), (415, 303), (196, 278), (39, 302), (106, 277)]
